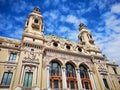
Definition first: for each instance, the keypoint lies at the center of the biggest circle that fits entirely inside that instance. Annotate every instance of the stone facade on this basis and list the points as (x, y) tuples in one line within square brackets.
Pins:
[(39, 62)]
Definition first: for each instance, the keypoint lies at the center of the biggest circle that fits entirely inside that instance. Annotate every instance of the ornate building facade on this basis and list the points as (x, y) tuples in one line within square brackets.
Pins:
[(40, 62)]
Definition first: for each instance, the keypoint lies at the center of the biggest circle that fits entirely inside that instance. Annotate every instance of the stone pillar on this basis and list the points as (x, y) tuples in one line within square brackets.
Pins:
[(47, 77), (92, 80), (79, 79), (34, 75), (22, 75), (64, 78), (99, 77), (111, 86)]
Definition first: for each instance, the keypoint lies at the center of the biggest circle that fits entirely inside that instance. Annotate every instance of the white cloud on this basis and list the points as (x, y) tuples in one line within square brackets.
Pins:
[(53, 15), (21, 6), (113, 23), (74, 20), (110, 46), (110, 40), (20, 19), (73, 35), (116, 8), (64, 8), (47, 3), (9, 27), (17, 33), (101, 4), (63, 29)]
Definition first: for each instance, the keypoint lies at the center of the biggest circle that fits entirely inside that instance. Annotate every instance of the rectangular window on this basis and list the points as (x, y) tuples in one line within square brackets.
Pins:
[(119, 81), (55, 83), (86, 85), (105, 83), (6, 80), (72, 84), (12, 57), (115, 70), (28, 79)]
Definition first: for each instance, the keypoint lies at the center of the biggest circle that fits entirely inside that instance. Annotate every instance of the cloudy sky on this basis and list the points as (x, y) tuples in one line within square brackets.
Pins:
[(62, 18)]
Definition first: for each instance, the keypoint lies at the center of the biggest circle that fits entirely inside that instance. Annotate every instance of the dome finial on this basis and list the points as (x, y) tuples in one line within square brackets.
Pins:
[(82, 26), (36, 10)]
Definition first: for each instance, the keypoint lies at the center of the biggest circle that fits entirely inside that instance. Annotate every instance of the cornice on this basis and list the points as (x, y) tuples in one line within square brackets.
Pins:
[(8, 62), (110, 64), (10, 47), (98, 57), (9, 40), (33, 36), (67, 52), (92, 49), (32, 43)]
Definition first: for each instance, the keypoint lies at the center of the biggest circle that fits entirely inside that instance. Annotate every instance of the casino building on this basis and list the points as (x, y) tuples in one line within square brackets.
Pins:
[(39, 62)]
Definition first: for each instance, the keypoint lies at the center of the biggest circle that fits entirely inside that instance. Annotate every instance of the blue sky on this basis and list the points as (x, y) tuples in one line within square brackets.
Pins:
[(62, 18)]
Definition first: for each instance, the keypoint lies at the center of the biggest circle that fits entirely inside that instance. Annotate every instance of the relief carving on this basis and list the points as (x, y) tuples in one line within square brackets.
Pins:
[(102, 69), (31, 57), (9, 67)]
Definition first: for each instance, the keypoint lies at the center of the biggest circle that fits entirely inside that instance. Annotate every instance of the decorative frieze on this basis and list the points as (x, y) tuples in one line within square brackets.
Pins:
[(10, 67)]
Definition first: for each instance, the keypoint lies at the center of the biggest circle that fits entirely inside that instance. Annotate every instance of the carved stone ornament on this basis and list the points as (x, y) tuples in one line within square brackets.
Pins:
[(29, 68), (31, 57), (102, 69), (9, 67)]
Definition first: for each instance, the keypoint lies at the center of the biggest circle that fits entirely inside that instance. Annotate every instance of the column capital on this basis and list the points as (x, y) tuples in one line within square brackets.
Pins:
[(78, 71), (63, 68), (48, 66)]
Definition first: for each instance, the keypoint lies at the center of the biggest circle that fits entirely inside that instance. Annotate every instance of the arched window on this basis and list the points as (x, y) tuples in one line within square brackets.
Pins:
[(71, 76), (85, 77), (55, 75), (36, 20), (83, 72)]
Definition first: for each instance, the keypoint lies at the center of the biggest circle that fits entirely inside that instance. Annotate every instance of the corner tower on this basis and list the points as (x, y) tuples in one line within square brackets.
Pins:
[(85, 36), (33, 31)]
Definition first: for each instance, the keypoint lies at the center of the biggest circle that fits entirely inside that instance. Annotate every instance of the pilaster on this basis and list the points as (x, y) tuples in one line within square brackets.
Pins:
[(99, 77), (79, 79), (64, 77)]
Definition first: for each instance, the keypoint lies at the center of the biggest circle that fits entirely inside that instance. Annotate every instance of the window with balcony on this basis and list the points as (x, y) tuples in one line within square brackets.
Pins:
[(12, 57), (85, 77), (28, 80), (6, 80), (55, 75), (71, 76)]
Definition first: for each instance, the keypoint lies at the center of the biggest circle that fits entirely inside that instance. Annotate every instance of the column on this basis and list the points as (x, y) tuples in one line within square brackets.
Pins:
[(79, 79), (111, 86), (47, 77), (64, 78), (22, 72), (99, 77), (34, 75), (92, 80)]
